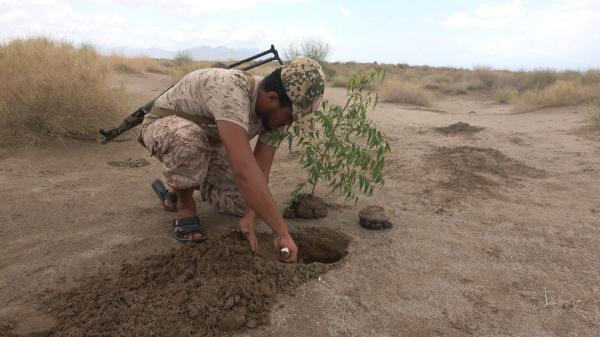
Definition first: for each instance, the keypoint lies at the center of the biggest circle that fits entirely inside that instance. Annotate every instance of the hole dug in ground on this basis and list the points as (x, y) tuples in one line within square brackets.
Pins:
[(212, 289)]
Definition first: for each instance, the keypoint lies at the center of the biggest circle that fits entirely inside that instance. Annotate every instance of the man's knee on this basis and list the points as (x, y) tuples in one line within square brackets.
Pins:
[(182, 147)]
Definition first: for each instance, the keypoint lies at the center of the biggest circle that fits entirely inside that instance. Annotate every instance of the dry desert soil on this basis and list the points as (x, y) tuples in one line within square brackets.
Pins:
[(496, 233)]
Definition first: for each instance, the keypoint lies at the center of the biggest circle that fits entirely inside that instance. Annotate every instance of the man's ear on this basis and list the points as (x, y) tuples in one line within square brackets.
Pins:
[(272, 95)]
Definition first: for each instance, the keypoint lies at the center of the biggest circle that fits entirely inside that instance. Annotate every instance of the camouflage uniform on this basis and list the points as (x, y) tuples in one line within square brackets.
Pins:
[(192, 154)]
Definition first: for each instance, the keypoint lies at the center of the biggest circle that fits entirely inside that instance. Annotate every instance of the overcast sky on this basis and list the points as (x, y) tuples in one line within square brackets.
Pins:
[(509, 34)]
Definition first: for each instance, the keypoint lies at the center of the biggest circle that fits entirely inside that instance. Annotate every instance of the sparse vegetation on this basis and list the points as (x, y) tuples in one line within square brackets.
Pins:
[(136, 65), (400, 91), (505, 94), (50, 88), (312, 47), (53, 89), (561, 93)]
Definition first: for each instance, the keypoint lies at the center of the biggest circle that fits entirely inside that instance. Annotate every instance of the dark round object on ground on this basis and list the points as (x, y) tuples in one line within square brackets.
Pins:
[(374, 217), (307, 206)]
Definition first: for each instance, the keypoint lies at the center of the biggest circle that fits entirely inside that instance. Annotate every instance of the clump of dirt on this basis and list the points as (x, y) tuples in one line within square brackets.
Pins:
[(211, 289), (374, 217), (141, 162), (459, 128), (472, 168), (307, 206)]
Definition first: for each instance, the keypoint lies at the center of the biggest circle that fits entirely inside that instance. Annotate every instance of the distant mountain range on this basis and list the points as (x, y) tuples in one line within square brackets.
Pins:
[(196, 53)]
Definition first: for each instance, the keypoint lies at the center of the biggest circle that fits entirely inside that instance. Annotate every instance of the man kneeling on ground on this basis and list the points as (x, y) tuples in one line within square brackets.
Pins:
[(200, 130)]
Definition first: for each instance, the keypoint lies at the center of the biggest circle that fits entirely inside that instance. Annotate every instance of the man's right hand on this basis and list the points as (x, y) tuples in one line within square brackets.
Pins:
[(286, 241)]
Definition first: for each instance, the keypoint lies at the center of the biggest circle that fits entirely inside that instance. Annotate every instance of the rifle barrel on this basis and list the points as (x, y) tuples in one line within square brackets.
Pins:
[(272, 50)]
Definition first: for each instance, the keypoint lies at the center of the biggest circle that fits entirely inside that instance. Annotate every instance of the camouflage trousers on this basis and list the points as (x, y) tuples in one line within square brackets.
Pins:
[(193, 157)]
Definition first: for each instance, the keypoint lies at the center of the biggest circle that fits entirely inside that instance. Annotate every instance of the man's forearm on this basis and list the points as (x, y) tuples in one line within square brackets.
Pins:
[(253, 185), (264, 162)]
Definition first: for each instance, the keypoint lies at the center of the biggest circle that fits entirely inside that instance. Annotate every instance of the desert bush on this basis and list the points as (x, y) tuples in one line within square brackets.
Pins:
[(182, 58), (437, 81), (400, 91), (561, 93), (505, 94), (339, 81), (457, 88), (591, 77), (539, 79), (312, 47), (487, 77), (328, 70), (135, 65), (52, 89)]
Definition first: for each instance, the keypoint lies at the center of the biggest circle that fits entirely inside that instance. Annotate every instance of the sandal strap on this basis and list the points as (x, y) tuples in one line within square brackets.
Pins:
[(171, 197), (189, 229), (192, 220)]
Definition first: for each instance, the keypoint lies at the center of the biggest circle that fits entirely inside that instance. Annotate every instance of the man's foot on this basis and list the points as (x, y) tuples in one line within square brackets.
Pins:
[(167, 196), (189, 230), (170, 202)]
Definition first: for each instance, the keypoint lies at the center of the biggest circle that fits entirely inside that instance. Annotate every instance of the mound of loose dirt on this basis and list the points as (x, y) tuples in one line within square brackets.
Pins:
[(307, 206), (211, 289), (458, 128), (472, 168)]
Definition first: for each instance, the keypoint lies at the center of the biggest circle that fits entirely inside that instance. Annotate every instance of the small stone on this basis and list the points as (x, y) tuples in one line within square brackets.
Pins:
[(179, 298), (251, 324), (229, 303), (232, 321)]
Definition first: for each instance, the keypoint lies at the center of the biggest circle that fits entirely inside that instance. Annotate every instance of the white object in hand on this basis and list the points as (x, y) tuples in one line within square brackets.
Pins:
[(285, 251)]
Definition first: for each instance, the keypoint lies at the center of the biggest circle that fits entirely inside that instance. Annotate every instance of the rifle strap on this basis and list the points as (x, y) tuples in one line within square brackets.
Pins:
[(200, 120)]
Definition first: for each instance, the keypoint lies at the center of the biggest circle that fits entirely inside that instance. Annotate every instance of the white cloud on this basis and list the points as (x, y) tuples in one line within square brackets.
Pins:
[(57, 19), (560, 33), (345, 12), (485, 16), (509, 9), (195, 7)]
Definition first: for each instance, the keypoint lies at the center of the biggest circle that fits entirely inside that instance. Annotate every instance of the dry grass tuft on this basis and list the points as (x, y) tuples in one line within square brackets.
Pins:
[(488, 77), (561, 93), (52, 89), (400, 91), (506, 94), (539, 79), (136, 65)]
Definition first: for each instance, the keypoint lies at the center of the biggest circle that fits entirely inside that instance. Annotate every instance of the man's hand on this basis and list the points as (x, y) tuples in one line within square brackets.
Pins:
[(247, 228), (286, 242)]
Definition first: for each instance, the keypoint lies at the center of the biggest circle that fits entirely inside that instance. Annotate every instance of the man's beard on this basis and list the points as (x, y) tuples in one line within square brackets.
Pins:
[(263, 119)]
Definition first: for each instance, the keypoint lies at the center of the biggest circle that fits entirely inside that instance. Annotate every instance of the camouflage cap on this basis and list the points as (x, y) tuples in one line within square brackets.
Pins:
[(304, 83)]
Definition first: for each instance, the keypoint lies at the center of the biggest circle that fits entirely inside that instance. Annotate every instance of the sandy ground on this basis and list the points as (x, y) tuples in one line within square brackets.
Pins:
[(497, 232)]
